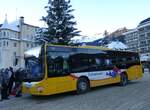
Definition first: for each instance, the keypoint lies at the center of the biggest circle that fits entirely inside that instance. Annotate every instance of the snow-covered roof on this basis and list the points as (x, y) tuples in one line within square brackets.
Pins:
[(144, 25), (33, 52), (5, 24), (116, 45), (12, 26)]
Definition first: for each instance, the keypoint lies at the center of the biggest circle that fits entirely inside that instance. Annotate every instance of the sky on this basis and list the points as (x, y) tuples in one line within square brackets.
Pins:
[(92, 16)]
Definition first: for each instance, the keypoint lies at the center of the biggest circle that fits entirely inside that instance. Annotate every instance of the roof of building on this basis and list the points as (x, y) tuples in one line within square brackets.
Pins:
[(5, 24), (143, 22), (14, 26)]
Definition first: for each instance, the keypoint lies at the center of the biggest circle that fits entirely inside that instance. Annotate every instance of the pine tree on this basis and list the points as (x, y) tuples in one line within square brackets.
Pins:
[(60, 22)]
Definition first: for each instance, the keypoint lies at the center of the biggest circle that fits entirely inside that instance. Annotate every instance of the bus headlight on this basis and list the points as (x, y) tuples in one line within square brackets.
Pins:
[(40, 89)]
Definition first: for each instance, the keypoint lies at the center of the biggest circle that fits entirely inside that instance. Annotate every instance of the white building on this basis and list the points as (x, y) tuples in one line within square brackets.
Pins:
[(132, 40), (138, 39), (15, 39), (144, 37)]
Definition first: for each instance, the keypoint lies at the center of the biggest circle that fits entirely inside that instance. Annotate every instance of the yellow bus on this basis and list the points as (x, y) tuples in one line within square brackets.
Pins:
[(54, 69)]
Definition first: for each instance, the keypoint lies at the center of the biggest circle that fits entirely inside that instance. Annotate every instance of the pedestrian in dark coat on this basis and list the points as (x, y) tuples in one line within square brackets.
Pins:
[(11, 80), (18, 82), (5, 79)]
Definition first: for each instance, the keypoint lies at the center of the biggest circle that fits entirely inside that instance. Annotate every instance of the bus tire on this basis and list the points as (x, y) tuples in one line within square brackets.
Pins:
[(123, 79), (83, 85)]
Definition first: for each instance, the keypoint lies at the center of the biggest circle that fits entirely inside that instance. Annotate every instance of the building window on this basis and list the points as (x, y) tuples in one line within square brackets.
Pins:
[(142, 37), (143, 50), (4, 43), (15, 44), (8, 34), (142, 43), (27, 45), (148, 48), (141, 30), (148, 28), (148, 35), (4, 34), (15, 61), (7, 43)]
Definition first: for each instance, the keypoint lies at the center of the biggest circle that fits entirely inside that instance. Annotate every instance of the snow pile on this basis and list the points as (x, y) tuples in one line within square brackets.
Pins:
[(145, 58), (116, 45)]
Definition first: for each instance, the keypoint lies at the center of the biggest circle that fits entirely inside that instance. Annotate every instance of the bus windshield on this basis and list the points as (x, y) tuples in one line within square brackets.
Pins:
[(34, 64), (57, 63)]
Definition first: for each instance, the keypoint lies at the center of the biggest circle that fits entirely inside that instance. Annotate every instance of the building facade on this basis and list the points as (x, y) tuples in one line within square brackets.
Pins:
[(15, 39), (138, 39), (144, 37), (132, 40)]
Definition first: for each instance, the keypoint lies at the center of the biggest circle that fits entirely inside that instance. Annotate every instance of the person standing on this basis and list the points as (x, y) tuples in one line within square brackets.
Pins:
[(11, 79), (5, 79), (18, 82)]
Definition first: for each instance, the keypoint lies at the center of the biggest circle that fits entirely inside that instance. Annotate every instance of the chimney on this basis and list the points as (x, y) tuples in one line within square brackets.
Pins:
[(21, 20)]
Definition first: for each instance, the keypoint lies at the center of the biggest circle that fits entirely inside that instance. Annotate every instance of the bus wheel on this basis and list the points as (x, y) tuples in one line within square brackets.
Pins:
[(83, 85), (124, 79)]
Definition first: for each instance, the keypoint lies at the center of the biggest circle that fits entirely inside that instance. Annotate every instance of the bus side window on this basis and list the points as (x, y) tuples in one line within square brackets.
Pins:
[(98, 61), (65, 67), (121, 62), (79, 62), (129, 59), (114, 61), (108, 62)]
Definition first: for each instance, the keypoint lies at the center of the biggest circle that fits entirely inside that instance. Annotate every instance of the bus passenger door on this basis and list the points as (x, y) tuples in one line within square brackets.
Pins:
[(58, 74)]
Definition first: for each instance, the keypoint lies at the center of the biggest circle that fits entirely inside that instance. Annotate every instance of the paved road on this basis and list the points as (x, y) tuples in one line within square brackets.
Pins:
[(135, 96)]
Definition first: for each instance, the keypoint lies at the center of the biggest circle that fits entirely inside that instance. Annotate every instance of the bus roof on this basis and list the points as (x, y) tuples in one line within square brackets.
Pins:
[(93, 47), (36, 50), (87, 46)]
